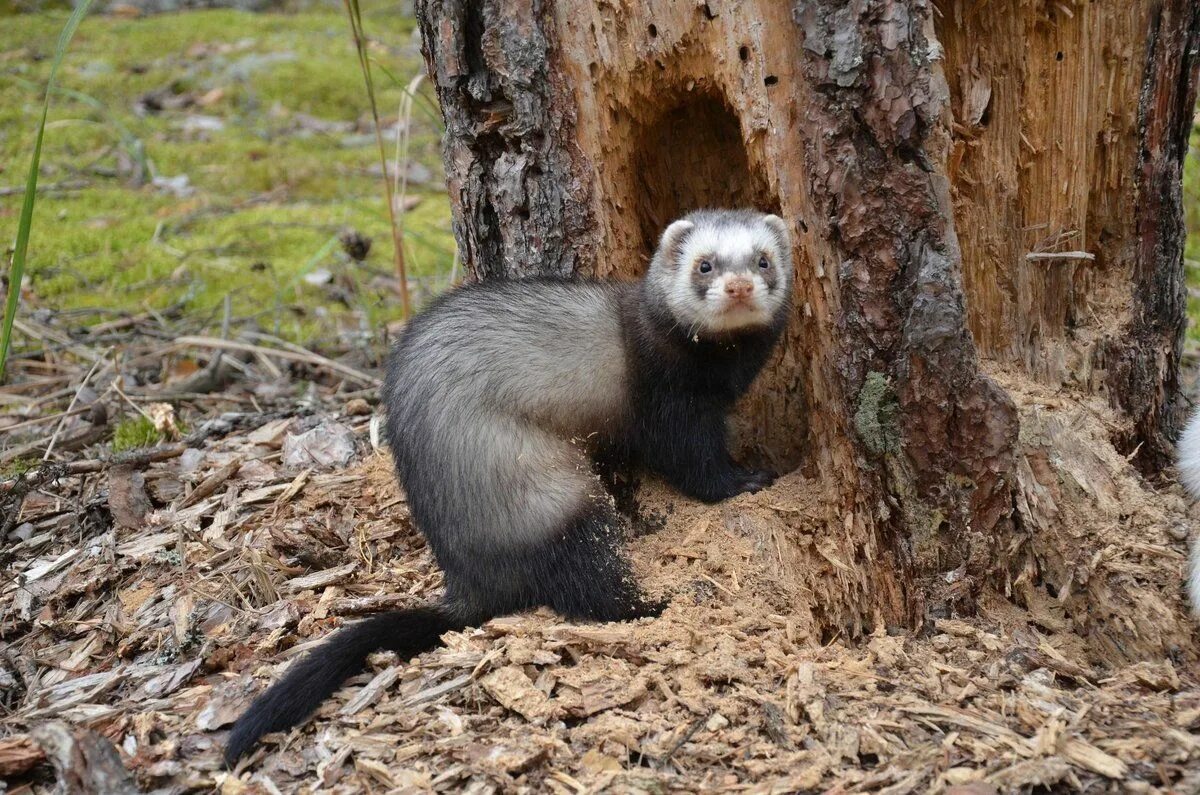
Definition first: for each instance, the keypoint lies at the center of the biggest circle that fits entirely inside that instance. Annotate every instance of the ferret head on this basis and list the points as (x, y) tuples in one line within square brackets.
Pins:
[(724, 271)]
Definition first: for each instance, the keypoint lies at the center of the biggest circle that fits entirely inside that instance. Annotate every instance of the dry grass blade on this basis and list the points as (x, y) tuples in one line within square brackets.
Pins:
[(403, 137), (71, 406), (360, 45)]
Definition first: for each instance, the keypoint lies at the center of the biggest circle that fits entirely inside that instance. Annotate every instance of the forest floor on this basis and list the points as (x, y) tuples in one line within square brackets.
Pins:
[(149, 594), (177, 525)]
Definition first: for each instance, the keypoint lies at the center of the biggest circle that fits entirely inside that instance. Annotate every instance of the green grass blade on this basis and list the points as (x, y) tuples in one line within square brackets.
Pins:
[(364, 61), (16, 272)]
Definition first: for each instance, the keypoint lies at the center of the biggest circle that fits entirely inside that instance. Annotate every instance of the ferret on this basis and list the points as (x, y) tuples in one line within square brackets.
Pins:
[(1187, 460), (502, 397)]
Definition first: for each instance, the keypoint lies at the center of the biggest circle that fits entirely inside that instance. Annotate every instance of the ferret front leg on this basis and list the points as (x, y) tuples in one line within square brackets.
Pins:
[(687, 448)]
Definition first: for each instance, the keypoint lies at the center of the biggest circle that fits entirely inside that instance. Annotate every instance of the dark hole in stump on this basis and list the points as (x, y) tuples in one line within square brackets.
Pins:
[(694, 156), (707, 167)]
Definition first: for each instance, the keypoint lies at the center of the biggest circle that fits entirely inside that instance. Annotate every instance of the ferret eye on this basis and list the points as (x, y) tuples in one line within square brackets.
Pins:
[(764, 263), (705, 266)]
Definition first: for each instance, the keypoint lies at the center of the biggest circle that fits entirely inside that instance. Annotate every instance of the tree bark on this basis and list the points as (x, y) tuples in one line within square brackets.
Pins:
[(985, 205)]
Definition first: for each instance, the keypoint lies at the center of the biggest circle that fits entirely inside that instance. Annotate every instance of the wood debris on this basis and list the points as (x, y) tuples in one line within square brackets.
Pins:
[(148, 596)]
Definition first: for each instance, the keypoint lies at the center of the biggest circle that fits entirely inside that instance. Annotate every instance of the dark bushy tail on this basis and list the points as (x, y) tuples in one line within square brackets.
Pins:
[(313, 679)]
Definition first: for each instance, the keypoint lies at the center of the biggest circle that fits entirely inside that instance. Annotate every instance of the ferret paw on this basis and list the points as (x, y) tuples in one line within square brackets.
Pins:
[(648, 608), (750, 481)]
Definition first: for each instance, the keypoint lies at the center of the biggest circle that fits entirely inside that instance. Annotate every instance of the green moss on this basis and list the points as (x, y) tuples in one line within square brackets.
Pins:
[(17, 467), (875, 417), (876, 420), (133, 433), (269, 188)]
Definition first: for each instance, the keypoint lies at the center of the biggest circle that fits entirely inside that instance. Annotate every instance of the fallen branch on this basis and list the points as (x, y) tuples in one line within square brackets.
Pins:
[(84, 438), (40, 331), (1043, 256), (50, 418), (74, 399), (144, 456), (292, 356), (13, 490)]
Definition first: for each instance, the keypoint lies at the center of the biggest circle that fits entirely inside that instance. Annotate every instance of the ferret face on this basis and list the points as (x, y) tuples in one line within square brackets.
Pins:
[(724, 271)]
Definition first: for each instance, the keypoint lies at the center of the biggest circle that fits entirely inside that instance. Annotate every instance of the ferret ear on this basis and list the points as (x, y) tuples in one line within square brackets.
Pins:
[(780, 227), (673, 237)]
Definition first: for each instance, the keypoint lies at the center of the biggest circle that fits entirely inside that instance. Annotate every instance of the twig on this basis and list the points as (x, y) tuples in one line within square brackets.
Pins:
[(210, 483), (88, 436), (51, 397), (259, 337), (117, 388), (36, 331), (695, 727), (1042, 256), (71, 405), (39, 385), (53, 187), (48, 473), (213, 376), (292, 356), (50, 418), (12, 492), (210, 396)]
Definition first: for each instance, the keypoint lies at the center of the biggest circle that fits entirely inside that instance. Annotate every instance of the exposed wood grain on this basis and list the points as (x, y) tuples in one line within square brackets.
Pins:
[(1071, 122)]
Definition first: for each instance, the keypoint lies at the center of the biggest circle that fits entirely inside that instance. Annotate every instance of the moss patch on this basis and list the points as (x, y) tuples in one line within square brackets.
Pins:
[(256, 127), (133, 433), (17, 467), (875, 417)]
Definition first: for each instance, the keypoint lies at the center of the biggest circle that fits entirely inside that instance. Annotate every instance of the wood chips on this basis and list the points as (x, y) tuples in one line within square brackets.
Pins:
[(133, 639)]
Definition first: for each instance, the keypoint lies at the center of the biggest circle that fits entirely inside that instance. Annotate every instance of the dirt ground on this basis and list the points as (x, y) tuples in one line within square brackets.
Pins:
[(144, 604)]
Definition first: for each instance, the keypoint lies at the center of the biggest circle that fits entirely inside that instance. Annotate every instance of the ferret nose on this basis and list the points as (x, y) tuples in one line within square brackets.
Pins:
[(739, 289)]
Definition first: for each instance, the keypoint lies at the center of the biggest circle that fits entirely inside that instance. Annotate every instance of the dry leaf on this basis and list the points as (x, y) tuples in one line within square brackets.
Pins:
[(329, 445), (163, 417), (127, 499)]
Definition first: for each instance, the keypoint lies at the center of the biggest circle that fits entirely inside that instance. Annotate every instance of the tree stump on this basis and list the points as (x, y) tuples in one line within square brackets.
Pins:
[(986, 209)]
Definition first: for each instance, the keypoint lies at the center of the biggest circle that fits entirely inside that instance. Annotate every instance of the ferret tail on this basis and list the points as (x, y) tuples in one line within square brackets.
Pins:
[(1188, 462), (314, 678)]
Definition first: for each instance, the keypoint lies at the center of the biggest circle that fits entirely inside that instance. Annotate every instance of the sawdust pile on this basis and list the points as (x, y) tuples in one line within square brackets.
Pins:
[(146, 604)]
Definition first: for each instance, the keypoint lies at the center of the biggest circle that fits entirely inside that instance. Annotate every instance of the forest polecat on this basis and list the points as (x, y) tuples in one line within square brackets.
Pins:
[(501, 396)]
